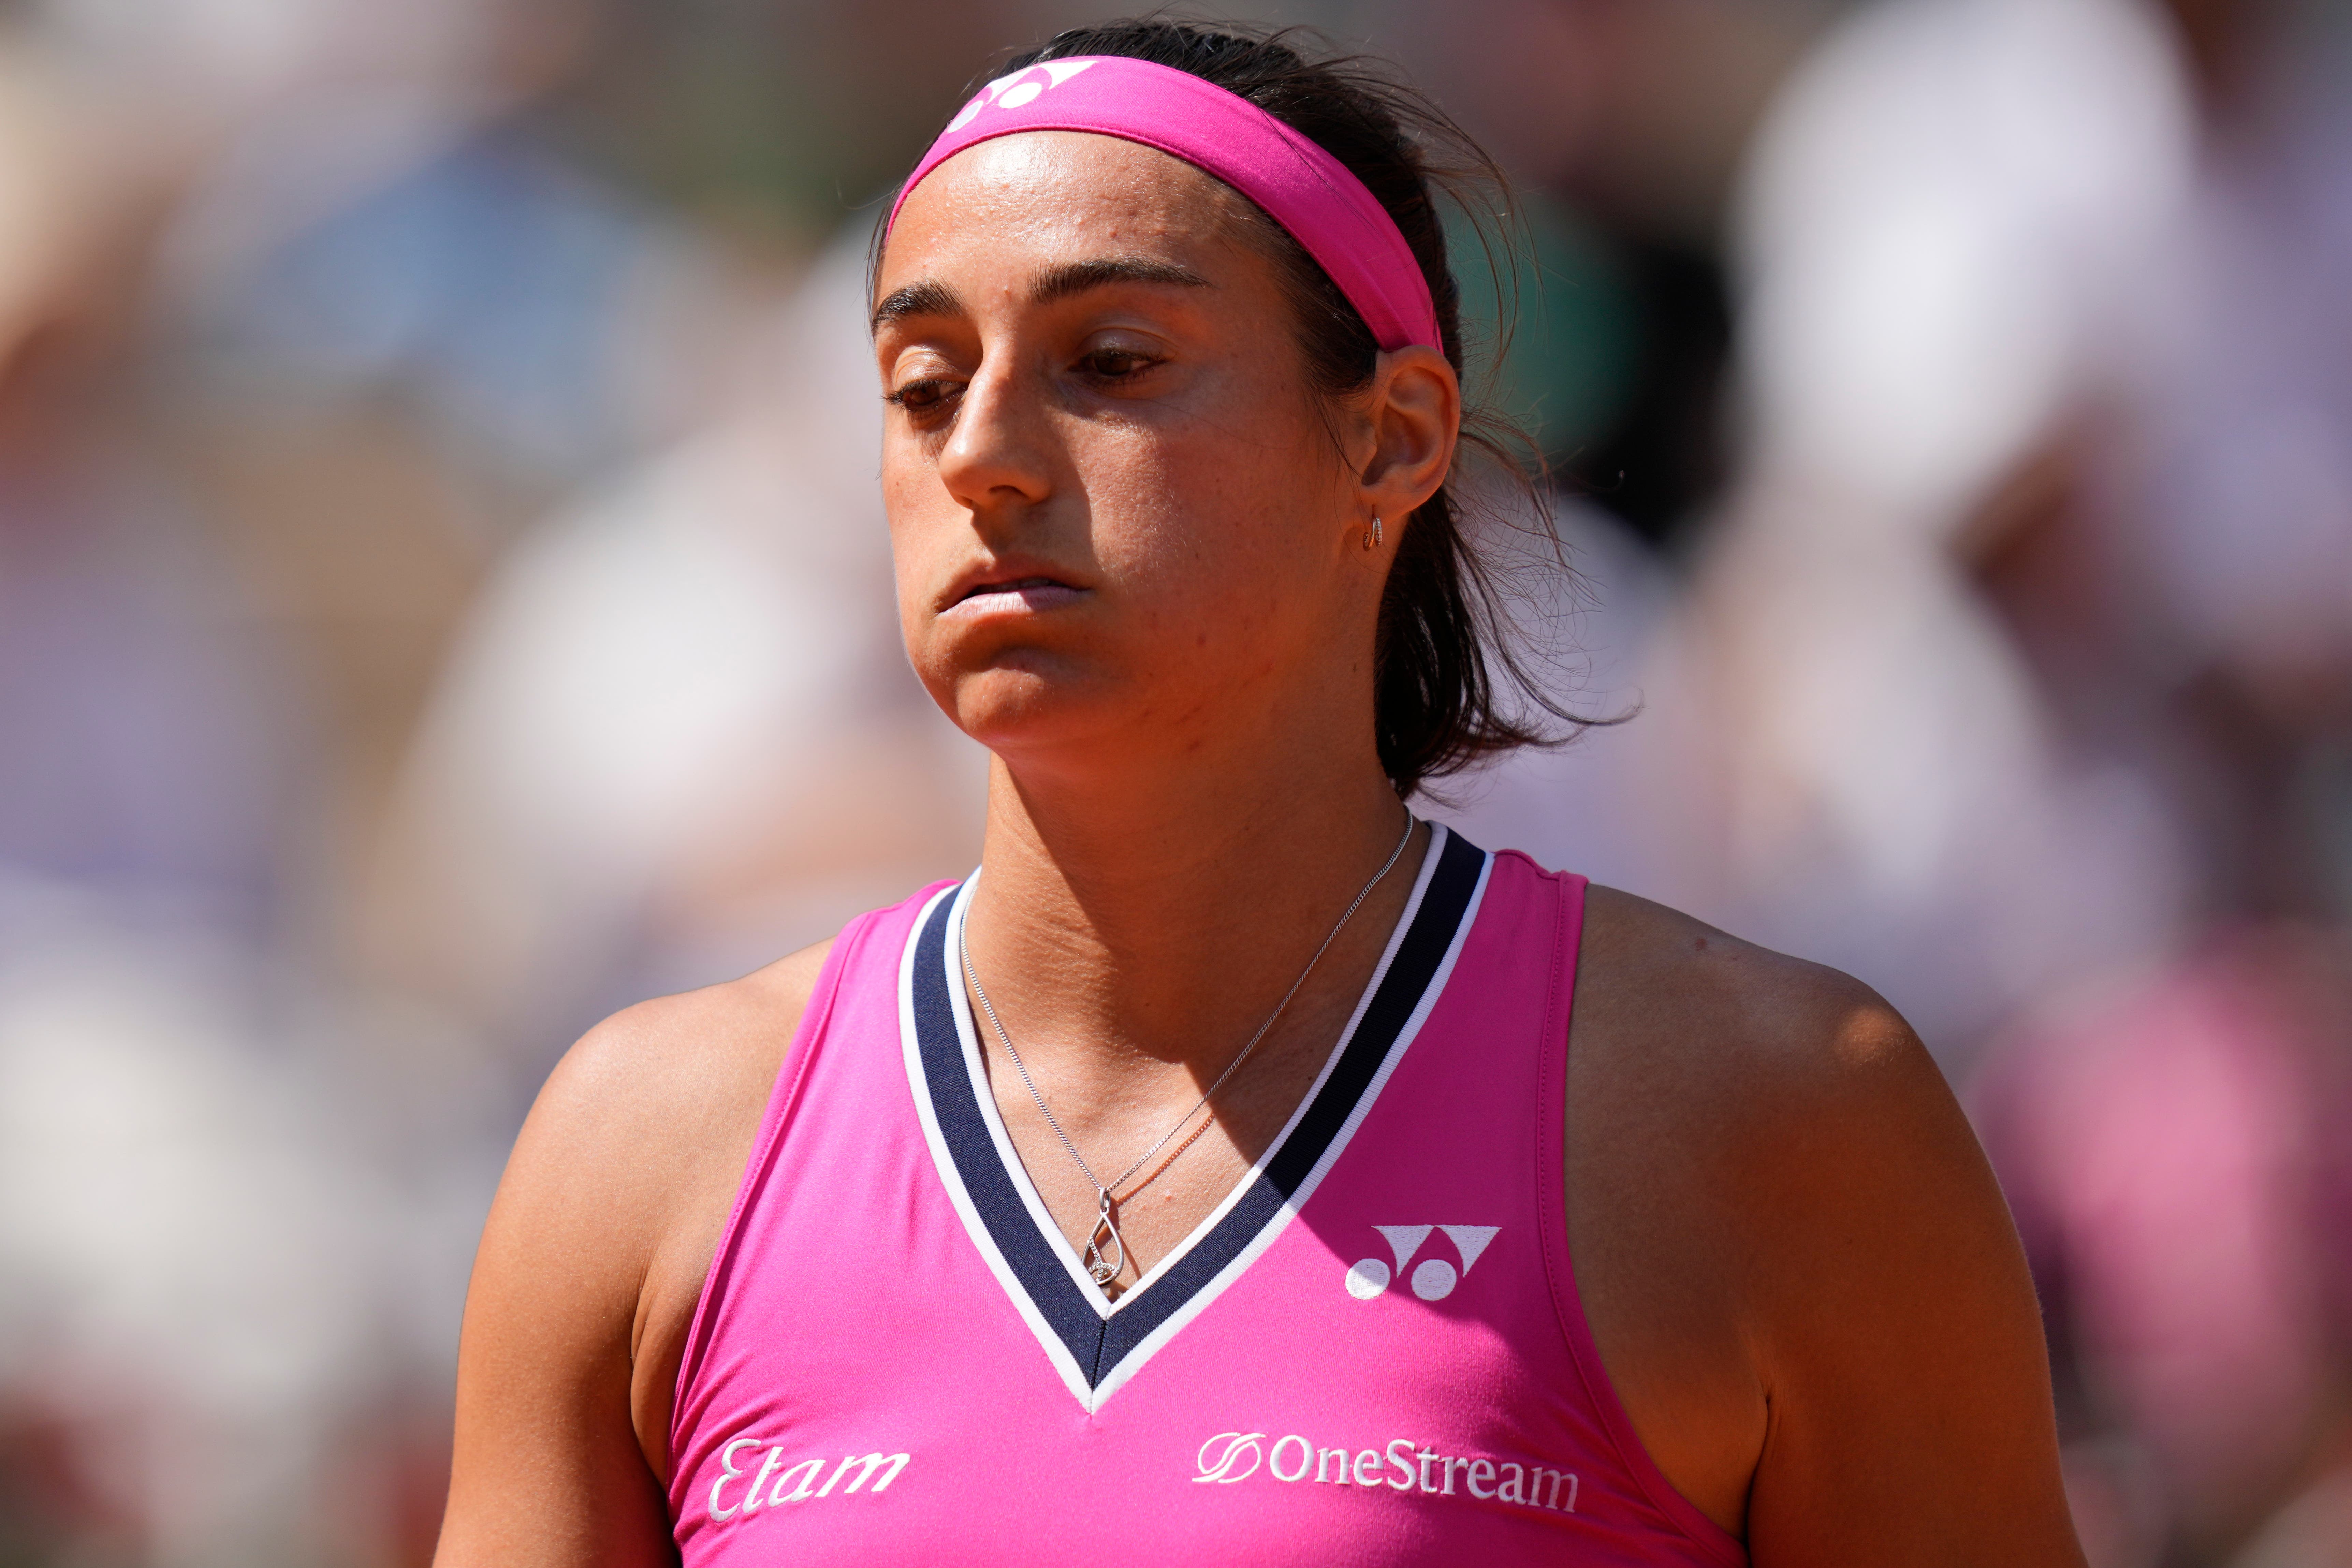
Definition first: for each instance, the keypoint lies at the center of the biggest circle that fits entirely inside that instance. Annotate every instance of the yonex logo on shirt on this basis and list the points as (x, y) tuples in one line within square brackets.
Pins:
[(1231, 1458), (792, 1483), (1434, 1279)]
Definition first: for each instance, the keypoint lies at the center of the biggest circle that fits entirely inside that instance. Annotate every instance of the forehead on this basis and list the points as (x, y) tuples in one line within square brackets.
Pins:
[(1049, 191)]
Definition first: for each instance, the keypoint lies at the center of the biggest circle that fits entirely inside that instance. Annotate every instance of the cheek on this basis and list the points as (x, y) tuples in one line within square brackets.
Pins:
[(1214, 523), (925, 526)]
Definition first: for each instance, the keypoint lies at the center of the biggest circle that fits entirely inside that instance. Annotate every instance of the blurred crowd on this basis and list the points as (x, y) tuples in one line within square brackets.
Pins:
[(444, 597)]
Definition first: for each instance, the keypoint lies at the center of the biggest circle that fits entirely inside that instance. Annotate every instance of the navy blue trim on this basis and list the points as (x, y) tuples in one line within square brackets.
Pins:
[(1098, 1344), (1027, 1251)]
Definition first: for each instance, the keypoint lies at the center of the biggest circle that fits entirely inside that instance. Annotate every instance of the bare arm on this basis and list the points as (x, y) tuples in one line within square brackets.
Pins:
[(1803, 1280), (589, 1271), (1898, 1343)]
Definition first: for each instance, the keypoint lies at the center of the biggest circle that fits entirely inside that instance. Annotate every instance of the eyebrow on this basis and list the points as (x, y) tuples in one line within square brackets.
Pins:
[(926, 298), (1077, 276)]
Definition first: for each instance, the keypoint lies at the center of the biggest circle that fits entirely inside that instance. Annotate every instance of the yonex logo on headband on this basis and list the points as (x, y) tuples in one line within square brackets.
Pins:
[(1002, 93), (1295, 182)]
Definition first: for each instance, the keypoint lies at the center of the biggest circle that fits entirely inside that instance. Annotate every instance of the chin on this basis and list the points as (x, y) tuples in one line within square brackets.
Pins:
[(1031, 702)]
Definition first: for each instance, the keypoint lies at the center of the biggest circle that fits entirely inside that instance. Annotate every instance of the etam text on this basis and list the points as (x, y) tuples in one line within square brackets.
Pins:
[(746, 1486), (1404, 1465)]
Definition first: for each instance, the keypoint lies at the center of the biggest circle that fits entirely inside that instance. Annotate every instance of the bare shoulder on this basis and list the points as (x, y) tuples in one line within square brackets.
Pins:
[(1799, 1097), (642, 1135), (639, 1098), (1795, 1260), (1784, 1092), (594, 1258), (1695, 997), (645, 1108)]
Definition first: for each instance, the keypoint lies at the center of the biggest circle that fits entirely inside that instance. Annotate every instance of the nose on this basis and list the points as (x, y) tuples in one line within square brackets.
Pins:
[(997, 459)]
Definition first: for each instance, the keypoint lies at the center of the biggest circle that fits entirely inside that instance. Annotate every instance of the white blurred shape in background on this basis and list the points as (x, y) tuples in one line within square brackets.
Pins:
[(680, 736), (1935, 222)]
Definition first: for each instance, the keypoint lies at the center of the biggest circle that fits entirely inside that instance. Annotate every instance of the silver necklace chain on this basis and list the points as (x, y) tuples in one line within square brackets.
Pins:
[(1106, 1253)]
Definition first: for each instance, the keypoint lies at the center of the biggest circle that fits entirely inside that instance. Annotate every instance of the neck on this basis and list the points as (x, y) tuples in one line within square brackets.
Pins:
[(1155, 913)]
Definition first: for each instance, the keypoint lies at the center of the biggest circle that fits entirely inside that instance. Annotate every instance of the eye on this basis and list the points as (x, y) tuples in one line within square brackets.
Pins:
[(1116, 362), (926, 395)]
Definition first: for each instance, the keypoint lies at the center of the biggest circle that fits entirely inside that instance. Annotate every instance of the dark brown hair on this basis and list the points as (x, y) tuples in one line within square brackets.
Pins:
[(1450, 688)]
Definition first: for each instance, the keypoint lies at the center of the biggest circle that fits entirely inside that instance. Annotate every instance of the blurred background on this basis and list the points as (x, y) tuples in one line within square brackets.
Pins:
[(443, 597)]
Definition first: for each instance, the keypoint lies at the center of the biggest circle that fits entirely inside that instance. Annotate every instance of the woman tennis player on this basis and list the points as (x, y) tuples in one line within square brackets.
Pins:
[(1234, 1169)]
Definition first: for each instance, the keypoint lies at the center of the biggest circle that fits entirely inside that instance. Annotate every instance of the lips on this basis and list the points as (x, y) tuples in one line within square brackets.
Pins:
[(1012, 585), (1008, 586)]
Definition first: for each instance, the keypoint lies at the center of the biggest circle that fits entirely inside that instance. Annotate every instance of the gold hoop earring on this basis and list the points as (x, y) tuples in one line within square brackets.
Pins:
[(1372, 534)]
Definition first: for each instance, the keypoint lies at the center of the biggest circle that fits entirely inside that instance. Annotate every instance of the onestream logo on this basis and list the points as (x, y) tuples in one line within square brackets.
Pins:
[(1231, 1458)]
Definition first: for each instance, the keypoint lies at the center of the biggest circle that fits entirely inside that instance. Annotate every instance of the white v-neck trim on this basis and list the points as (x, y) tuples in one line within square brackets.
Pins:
[(1073, 1377), (1017, 1172), (1268, 1234), (1092, 1390)]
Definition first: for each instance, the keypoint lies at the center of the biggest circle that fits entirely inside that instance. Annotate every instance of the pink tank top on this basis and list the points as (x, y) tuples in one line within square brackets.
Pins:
[(1370, 1354)]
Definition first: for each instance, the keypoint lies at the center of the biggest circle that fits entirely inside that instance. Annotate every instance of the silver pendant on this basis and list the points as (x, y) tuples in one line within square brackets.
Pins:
[(1103, 1267)]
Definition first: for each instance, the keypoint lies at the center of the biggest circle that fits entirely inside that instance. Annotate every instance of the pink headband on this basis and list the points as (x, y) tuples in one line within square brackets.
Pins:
[(1299, 185)]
